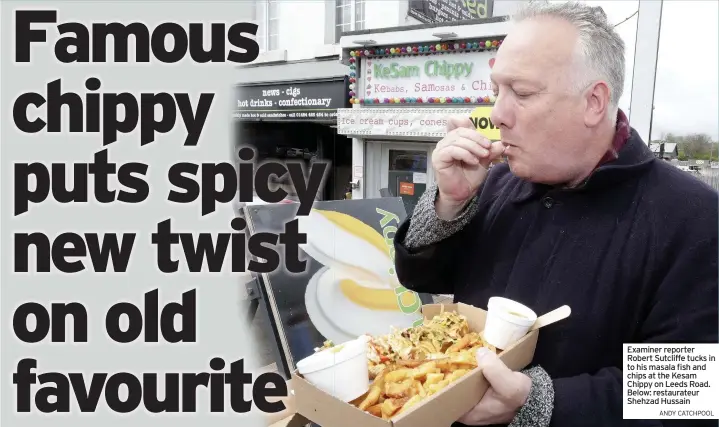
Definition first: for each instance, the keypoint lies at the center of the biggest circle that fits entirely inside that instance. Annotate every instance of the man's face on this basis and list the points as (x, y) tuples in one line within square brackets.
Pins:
[(539, 112)]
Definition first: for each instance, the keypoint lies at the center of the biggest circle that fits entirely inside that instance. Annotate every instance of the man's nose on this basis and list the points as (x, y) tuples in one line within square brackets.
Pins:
[(501, 114)]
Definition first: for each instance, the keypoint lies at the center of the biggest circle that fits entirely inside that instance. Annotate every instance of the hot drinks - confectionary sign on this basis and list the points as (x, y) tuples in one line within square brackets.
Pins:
[(304, 100), (451, 75)]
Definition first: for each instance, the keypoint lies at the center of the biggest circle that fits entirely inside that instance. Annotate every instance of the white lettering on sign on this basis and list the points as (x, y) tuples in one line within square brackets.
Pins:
[(292, 91)]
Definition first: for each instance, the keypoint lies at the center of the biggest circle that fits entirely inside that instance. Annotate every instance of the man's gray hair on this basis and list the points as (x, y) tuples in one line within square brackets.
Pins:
[(600, 47)]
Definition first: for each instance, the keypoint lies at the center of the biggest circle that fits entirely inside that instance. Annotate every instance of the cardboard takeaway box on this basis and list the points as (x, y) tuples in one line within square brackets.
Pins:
[(439, 410)]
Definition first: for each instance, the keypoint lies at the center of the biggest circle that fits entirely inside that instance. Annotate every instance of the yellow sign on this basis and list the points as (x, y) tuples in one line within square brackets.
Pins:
[(482, 122)]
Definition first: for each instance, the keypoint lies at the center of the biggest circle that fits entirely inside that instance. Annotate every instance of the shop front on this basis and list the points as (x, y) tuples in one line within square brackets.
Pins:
[(288, 112), (296, 121), (405, 84)]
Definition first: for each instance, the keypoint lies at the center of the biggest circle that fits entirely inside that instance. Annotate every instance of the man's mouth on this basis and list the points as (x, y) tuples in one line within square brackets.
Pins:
[(508, 148)]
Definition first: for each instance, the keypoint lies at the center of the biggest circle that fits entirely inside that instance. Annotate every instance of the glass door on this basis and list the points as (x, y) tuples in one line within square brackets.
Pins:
[(406, 171)]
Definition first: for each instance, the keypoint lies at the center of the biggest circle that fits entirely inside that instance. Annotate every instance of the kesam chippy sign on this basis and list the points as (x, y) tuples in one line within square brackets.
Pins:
[(450, 75)]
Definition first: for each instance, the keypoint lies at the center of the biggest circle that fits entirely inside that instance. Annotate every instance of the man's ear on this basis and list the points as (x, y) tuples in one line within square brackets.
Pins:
[(597, 97)]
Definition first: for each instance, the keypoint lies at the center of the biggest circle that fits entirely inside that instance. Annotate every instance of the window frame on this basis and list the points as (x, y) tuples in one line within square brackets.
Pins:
[(354, 23), (266, 39)]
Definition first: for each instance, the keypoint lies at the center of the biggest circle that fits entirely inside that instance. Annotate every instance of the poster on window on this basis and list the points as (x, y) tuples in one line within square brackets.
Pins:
[(349, 287)]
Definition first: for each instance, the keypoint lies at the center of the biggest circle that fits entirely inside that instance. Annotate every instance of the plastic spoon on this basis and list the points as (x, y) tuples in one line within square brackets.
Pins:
[(553, 316)]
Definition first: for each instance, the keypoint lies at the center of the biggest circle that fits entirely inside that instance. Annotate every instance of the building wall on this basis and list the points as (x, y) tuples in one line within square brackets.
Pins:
[(301, 28), (506, 7), (306, 27), (291, 71)]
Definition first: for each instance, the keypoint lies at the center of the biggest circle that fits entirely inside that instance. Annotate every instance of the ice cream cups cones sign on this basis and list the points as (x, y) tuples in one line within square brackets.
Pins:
[(357, 291), (482, 121)]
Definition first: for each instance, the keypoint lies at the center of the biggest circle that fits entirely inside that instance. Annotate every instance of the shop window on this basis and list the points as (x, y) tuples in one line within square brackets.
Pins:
[(284, 142), (305, 142), (409, 161), (349, 16)]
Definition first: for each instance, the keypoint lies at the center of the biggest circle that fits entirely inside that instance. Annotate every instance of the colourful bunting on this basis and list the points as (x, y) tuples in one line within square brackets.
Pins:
[(425, 48), (420, 100)]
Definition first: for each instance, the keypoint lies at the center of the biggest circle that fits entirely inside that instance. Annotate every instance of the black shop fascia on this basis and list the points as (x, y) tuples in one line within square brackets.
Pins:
[(297, 121)]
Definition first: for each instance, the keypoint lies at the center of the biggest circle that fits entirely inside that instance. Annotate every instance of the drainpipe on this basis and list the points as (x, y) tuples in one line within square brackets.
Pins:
[(646, 53)]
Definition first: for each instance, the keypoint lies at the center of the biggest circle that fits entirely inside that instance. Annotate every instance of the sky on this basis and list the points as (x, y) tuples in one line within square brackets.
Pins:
[(685, 97)]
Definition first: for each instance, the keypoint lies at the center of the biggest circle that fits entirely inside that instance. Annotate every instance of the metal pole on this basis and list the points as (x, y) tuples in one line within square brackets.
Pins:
[(646, 53)]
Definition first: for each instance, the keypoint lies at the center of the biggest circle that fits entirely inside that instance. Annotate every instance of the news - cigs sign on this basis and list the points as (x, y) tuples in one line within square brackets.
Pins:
[(434, 11), (313, 100)]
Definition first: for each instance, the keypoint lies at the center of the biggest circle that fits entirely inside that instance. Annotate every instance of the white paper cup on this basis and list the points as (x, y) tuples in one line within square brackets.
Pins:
[(342, 373), (507, 322)]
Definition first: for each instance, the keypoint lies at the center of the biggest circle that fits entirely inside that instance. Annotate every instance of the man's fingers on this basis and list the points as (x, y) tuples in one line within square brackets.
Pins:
[(473, 135), (500, 377), (495, 151), (453, 153), (459, 122), (472, 147)]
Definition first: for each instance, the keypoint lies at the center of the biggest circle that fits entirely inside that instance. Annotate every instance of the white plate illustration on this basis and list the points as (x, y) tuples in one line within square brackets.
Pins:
[(339, 319), (353, 294)]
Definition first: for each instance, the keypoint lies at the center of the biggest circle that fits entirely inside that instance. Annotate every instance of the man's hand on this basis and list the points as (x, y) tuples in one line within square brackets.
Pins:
[(461, 161), (507, 393)]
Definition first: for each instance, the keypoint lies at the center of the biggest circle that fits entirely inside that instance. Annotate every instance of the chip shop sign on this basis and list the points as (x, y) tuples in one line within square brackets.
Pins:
[(460, 74)]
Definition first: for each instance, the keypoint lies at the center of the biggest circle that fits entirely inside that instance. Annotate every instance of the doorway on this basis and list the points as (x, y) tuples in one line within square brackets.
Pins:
[(405, 170)]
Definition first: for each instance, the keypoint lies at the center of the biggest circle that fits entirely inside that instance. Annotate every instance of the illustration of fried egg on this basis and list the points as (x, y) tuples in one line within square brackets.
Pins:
[(356, 292)]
